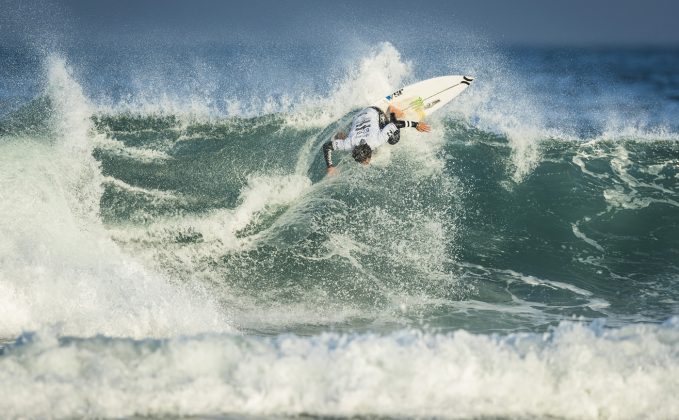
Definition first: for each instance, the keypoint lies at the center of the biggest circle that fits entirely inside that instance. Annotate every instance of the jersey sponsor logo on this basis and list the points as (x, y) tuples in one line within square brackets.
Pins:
[(363, 125)]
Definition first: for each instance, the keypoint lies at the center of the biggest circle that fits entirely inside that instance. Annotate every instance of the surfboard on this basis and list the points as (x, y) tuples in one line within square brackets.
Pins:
[(425, 97)]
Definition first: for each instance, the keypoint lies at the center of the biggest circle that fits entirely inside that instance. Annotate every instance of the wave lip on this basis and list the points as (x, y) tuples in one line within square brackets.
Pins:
[(571, 371)]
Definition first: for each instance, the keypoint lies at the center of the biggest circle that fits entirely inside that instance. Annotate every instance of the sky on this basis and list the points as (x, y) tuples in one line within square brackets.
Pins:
[(516, 22)]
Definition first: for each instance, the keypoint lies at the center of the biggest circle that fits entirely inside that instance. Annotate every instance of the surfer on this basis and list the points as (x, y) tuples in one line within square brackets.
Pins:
[(370, 129)]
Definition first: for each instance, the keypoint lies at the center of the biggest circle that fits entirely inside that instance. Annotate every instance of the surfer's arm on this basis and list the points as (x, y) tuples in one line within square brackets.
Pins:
[(419, 126), (404, 124), (336, 144), (395, 113), (327, 153)]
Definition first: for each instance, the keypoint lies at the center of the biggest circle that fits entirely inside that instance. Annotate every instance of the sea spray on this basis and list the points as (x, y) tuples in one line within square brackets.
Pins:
[(60, 269)]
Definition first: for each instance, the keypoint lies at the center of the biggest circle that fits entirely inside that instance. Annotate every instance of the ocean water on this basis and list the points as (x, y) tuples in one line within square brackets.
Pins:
[(170, 245)]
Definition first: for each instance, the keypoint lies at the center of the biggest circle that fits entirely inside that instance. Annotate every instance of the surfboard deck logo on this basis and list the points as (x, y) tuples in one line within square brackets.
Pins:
[(430, 104), (417, 105), (394, 95)]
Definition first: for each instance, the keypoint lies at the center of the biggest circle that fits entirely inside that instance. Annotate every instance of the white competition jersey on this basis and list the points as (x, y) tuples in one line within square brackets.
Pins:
[(366, 127)]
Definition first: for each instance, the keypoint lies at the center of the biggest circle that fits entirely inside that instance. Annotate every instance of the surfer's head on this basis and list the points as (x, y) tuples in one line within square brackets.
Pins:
[(362, 153)]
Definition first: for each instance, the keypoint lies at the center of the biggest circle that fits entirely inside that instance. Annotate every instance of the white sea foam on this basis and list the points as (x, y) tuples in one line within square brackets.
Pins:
[(223, 225), (59, 269), (156, 195), (532, 280), (617, 129), (140, 154), (579, 160), (578, 233), (628, 194), (573, 371)]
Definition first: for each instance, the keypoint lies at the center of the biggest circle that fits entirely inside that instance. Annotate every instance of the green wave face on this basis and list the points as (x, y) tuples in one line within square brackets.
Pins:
[(437, 232)]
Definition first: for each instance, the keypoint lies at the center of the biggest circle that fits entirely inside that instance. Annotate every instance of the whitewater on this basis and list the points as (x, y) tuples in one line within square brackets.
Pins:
[(170, 245)]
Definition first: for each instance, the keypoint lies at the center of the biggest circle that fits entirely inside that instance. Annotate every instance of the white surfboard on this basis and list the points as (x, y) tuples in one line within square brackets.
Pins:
[(422, 98)]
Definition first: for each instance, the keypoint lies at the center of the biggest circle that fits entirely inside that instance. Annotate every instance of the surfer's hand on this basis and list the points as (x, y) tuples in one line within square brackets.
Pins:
[(332, 170), (397, 112), (423, 127)]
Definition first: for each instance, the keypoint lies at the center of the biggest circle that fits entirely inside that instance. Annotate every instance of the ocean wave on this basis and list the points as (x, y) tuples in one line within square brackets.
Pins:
[(238, 207)]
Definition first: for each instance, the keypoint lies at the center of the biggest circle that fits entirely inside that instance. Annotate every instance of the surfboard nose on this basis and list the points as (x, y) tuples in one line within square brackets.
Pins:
[(467, 79)]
